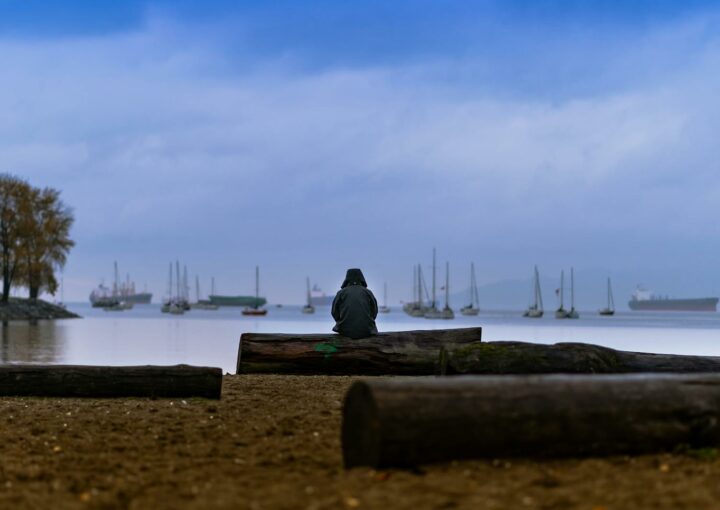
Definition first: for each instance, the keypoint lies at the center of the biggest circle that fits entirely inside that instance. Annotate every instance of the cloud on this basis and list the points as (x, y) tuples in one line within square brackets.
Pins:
[(167, 143)]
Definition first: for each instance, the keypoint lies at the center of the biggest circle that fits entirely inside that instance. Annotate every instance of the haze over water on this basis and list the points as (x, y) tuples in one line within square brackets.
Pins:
[(144, 335)]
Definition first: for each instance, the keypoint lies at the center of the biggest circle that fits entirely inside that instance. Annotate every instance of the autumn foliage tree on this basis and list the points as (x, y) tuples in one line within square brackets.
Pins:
[(34, 236)]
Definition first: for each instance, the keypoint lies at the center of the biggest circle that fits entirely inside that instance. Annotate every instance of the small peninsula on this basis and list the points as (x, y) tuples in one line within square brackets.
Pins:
[(32, 309)]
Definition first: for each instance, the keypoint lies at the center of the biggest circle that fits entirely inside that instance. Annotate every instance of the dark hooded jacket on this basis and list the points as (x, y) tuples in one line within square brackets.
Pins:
[(355, 307)]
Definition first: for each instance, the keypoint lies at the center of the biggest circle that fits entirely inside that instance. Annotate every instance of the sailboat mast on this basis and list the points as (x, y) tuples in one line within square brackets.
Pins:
[(197, 288), (177, 277), (562, 288), (115, 282), (433, 281), (307, 280), (420, 286), (257, 286), (447, 285), (572, 288), (170, 283), (538, 293), (385, 294), (415, 279)]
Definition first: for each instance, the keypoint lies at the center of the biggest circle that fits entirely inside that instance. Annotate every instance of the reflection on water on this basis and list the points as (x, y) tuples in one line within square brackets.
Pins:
[(144, 336), (31, 343)]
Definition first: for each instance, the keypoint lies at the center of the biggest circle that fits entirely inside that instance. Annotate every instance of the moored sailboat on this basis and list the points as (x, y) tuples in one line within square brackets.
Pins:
[(561, 313), (610, 308), (572, 314), (446, 312), (255, 310), (473, 307), (535, 310), (384, 308), (308, 308)]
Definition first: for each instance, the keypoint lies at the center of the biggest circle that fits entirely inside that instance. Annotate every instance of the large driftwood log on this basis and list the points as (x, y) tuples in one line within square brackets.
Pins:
[(408, 422), (579, 358), (97, 381), (402, 352)]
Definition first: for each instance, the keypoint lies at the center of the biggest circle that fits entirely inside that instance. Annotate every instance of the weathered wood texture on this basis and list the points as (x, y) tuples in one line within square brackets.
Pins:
[(403, 352), (396, 423), (530, 358), (98, 381)]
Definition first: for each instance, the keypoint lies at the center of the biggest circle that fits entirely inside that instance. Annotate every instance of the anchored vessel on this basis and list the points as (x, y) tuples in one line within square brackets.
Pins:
[(535, 310), (644, 299)]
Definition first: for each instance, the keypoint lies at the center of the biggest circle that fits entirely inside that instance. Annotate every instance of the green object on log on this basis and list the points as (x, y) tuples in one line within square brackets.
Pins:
[(398, 353)]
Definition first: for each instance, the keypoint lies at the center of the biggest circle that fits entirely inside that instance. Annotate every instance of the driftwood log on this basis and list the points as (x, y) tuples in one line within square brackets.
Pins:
[(401, 353), (572, 358), (402, 423), (98, 381)]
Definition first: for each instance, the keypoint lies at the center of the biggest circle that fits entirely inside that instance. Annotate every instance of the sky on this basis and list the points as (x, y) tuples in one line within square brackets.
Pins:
[(308, 137)]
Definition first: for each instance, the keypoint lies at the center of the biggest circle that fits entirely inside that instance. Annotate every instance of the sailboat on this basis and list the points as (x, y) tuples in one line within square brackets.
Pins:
[(561, 313), (446, 312), (535, 310), (201, 304), (610, 309), (117, 304), (572, 314), (384, 308), (255, 310), (176, 306), (416, 308), (472, 308), (308, 308)]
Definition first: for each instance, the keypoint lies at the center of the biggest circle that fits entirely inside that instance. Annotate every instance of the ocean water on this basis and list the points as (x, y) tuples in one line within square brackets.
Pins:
[(144, 335)]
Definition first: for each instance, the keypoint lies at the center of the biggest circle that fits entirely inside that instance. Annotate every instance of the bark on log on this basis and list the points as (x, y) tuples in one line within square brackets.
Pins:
[(402, 423), (401, 353), (530, 358), (99, 381)]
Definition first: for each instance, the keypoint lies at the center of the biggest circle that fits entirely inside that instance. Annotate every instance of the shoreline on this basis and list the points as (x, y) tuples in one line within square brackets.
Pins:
[(24, 309)]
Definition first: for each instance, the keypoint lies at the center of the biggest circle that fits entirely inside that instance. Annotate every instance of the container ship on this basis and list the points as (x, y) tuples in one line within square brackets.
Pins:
[(103, 296), (250, 301), (319, 298), (644, 300)]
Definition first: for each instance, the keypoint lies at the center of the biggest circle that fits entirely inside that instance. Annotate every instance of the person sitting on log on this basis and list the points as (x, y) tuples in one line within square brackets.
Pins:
[(355, 307)]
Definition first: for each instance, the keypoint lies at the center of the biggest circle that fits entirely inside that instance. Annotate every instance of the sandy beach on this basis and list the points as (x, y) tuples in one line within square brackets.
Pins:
[(273, 442)]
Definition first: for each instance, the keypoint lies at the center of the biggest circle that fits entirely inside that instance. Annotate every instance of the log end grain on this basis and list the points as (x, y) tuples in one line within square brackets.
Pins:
[(360, 428)]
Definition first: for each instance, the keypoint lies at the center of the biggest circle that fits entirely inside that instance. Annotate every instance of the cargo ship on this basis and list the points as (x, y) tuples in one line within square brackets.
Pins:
[(319, 298), (644, 300), (103, 297), (250, 301)]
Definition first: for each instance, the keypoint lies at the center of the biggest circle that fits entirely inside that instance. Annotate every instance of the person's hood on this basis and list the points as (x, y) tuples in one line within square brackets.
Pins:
[(354, 277)]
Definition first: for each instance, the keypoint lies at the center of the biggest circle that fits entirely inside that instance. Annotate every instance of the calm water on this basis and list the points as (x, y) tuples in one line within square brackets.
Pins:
[(146, 336)]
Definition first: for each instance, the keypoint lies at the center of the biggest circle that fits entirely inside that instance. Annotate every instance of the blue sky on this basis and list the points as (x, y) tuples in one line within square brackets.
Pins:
[(309, 137)]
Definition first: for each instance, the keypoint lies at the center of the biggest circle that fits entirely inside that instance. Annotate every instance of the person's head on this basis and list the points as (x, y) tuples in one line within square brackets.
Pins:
[(354, 277)]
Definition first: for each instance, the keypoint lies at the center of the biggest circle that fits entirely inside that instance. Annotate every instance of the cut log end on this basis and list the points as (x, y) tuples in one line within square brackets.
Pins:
[(360, 428)]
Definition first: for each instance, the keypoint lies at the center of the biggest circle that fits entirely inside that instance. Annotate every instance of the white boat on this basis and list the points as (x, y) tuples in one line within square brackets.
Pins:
[(416, 307), (610, 308), (384, 308), (561, 313), (446, 312), (535, 310), (473, 307), (572, 314), (308, 308)]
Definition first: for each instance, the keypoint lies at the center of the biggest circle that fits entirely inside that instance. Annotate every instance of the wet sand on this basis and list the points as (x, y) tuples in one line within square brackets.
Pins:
[(273, 442)]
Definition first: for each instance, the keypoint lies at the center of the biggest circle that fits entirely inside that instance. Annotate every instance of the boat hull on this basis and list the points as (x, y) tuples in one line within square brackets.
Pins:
[(675, 305), (250, 301)]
